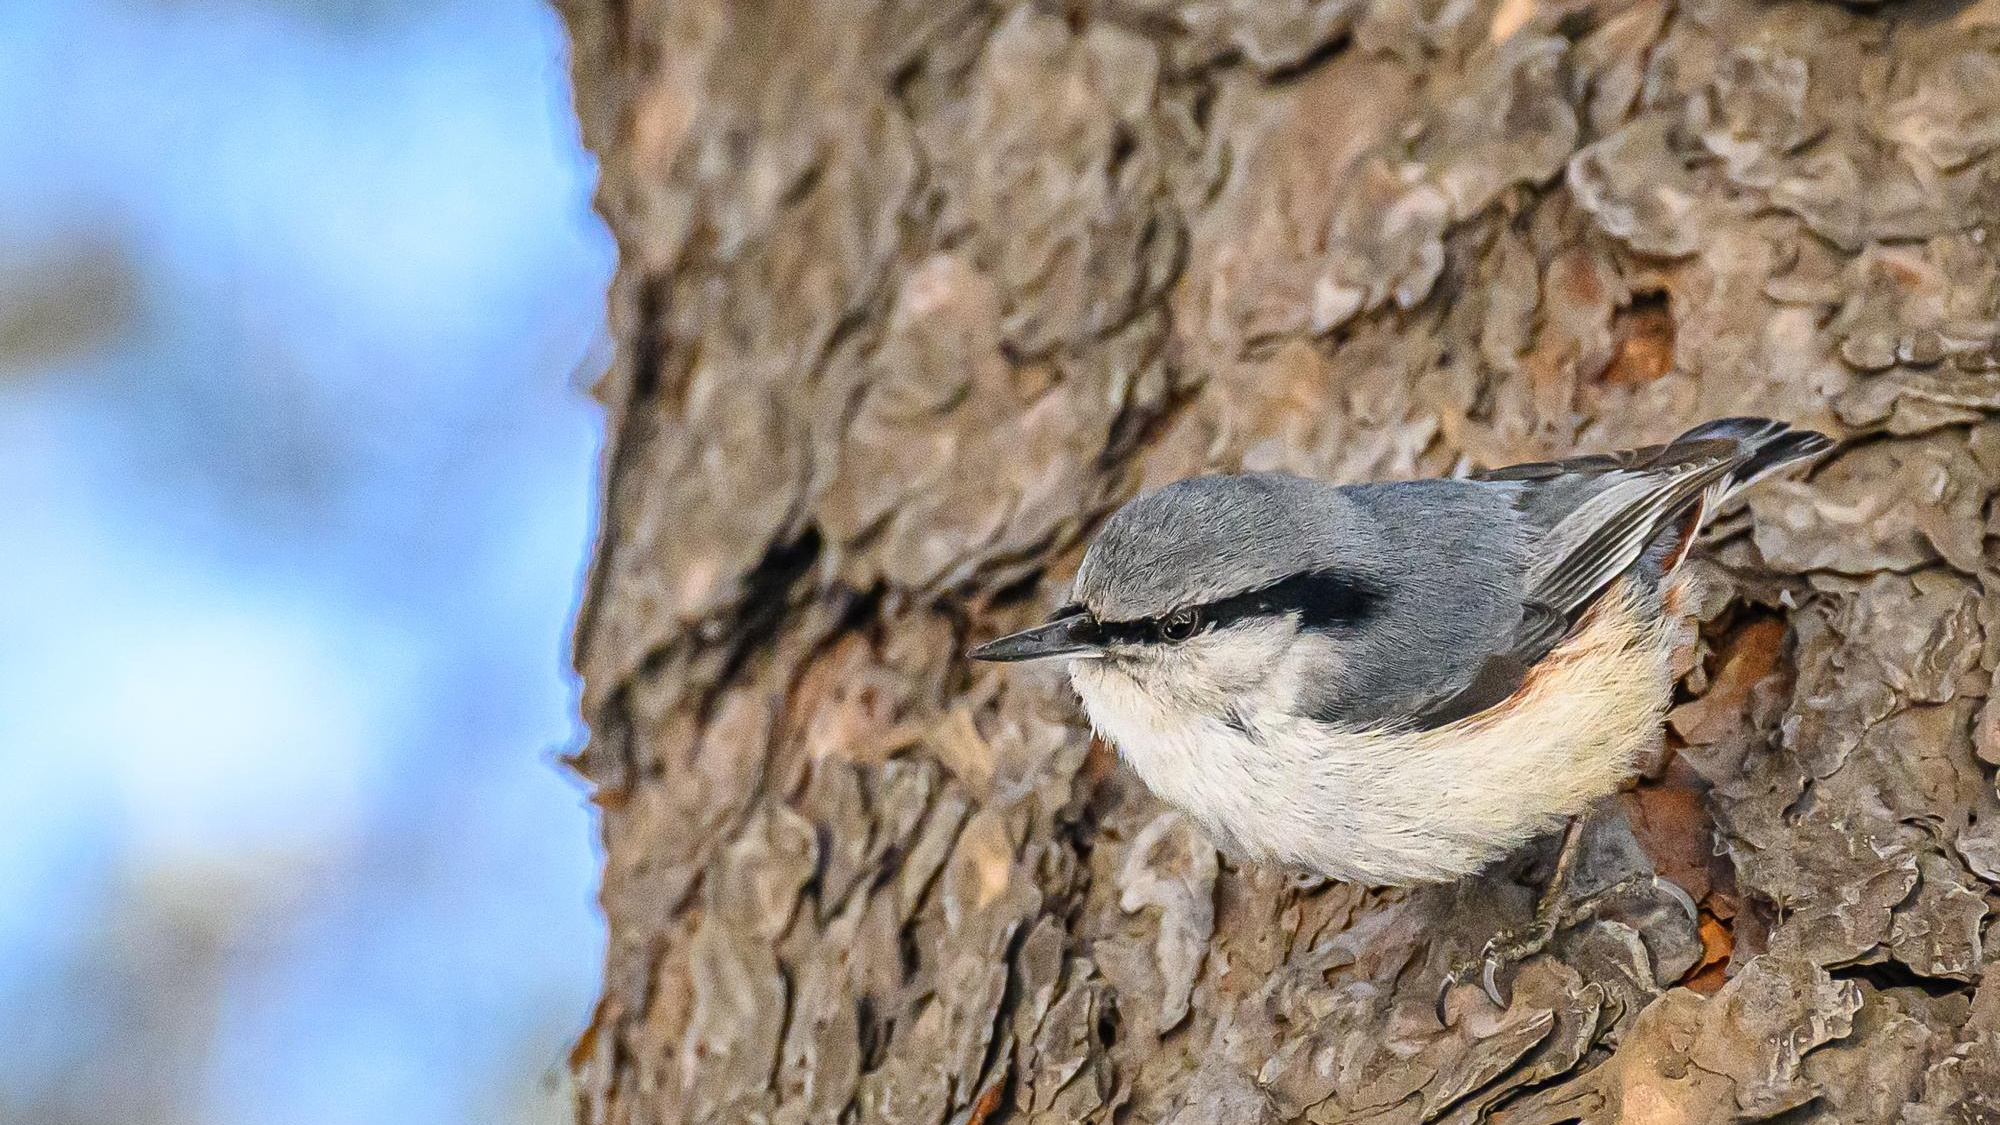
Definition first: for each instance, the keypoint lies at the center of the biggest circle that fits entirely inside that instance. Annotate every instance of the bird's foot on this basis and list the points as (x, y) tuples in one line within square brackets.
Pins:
[(1495, 965)]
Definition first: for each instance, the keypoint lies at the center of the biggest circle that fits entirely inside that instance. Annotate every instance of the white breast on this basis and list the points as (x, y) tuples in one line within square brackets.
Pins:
[(1402, 807)]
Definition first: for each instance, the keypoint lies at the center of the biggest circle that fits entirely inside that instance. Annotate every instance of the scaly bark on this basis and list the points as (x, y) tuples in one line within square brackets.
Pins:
[(913, 293)]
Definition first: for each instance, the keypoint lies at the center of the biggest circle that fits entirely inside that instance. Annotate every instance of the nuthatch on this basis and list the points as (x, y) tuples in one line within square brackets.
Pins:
[(1398, 683)]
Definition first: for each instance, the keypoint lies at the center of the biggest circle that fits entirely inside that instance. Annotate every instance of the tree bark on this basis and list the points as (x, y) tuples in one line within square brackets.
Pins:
[(914, 293)]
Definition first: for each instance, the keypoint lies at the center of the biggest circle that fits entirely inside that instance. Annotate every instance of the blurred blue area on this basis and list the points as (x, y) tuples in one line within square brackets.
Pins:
[(296, 480)]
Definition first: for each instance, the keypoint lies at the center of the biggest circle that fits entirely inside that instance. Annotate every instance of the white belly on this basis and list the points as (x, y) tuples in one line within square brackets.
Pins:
[(1404, 807)]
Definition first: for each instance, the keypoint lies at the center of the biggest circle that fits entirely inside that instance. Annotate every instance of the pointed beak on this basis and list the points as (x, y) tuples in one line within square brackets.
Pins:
[(1072, 636)]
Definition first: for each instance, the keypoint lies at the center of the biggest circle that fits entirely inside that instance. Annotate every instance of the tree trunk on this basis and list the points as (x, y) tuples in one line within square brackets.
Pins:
[(913, 293)]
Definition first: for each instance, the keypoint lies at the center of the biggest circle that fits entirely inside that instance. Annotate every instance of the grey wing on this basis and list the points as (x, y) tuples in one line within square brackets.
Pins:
[(1605, 535), (1596, 518), (1501, 673)]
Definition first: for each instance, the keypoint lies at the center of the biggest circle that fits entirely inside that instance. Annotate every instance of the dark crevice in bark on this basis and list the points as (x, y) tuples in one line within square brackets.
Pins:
[(1812, 1111), (766, 602), (1133, 428), (1888, 975), (1319, 56), (649, 344), (1001, 1108), (874, 1033)]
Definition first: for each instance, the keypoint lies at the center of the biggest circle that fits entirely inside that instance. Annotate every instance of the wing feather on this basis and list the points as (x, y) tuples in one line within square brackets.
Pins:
[(1601, 513), (1606, 545)]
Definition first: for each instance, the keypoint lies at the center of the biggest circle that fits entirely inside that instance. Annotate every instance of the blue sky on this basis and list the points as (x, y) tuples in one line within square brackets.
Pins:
[(298, 478)]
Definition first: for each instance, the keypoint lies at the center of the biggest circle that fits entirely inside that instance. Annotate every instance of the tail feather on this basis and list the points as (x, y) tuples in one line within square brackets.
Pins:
[(1763, 445), (1757, 447)]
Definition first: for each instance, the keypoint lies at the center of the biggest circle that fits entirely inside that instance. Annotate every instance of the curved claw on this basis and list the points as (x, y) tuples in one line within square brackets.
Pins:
[(1488, 979), (1458, 976), (1686, 901)]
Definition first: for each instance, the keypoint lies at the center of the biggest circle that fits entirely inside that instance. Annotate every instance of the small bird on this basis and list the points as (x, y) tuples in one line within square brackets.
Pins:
[(1398, 683)]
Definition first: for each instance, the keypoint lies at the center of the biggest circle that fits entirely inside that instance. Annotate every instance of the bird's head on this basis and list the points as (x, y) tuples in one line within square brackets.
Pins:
[(1210, 593)]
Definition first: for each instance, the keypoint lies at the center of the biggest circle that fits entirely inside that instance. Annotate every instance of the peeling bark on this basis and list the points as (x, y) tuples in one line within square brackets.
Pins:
[(913, 293)]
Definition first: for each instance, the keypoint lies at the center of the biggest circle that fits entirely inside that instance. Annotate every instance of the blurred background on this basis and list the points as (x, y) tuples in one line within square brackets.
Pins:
[(296, 479)]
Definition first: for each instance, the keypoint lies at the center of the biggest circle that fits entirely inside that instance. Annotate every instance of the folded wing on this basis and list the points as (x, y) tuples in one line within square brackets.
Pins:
[(1597, 517)]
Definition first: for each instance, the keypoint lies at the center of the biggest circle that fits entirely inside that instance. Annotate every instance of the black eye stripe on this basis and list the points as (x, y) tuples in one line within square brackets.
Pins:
[(1323, 599), (1126, 632)]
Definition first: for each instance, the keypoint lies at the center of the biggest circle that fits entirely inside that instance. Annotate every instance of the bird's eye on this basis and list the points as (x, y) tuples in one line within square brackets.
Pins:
[(1180, 626)]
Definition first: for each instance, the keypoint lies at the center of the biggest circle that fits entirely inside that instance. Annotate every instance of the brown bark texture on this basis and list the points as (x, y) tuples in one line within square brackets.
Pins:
[(913, 293)]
